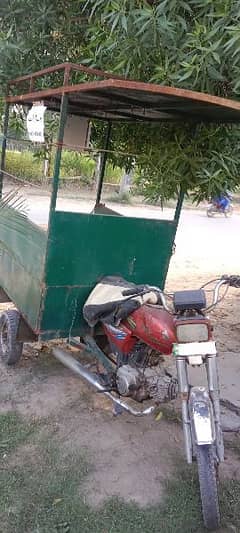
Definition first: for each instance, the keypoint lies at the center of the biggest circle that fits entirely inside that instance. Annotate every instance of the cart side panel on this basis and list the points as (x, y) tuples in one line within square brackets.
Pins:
[(22, 257), (83, 248)]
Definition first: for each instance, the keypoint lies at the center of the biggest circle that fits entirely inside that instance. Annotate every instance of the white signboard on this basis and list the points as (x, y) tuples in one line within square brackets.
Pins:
[(35, 123), (77, 132)]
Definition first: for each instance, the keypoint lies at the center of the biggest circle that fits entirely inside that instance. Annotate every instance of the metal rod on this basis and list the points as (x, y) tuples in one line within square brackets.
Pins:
[(81, 371), (103, 163), (70, 66), (212, 374), (93, 348), (179, 206), (182, 375), (187, 432), (213, 385), (4, 146), (57, 163), (183, 387)]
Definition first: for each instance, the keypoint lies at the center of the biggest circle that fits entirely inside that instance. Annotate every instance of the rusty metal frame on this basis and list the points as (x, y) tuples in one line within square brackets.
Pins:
[(110, 81), (68, 69)]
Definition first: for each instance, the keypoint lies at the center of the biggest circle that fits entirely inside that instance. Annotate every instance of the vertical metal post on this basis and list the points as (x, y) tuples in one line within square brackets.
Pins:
[(57, 163), (4, 145), (179, 206), (213, 385), (183, 387), (103, 163)]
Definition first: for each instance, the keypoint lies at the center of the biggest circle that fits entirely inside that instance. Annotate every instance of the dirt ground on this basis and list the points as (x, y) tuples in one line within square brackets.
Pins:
[(132, 457)]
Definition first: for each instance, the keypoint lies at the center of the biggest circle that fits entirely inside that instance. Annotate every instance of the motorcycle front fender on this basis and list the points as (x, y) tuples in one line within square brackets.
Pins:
[(201, 415)]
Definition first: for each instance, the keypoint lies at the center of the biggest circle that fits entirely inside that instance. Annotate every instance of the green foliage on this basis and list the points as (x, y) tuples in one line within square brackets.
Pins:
[(74, 164), (35, 34), (203, 160), (194, 45), (29, 166), (17, 118), (24, 165), (113, 174)]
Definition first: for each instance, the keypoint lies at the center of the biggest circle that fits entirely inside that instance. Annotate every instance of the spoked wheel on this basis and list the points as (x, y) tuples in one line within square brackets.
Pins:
[(228, 211), (211, 212), (10, 348), (207, 474)]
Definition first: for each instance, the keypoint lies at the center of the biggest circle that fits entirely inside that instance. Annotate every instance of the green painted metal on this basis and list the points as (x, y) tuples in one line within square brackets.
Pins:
[(51, 290), (103, 163), (58, 156), (49, 275), (179, 206), (22, 288), (86, 247), (22, 254), (4, 145), (25, 241)]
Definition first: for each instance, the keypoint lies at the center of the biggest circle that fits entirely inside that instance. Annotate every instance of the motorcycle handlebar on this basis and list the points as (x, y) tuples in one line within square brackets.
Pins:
[(133, 292), (230, 281), (233, 280)]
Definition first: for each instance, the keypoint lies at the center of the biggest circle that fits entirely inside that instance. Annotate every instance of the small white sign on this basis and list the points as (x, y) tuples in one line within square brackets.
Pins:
[(195, 348), (77, 131), (35, 123)]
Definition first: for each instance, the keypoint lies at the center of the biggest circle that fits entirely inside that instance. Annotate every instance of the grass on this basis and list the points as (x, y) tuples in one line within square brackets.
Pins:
[(42, 491)]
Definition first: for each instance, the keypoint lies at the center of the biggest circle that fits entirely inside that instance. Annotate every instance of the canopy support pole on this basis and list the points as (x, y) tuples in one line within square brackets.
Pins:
[(58, 156), (179, 206), (103, 163), (4, 146)]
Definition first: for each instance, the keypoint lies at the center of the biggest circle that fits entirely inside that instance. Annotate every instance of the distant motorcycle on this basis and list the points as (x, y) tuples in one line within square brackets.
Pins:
[(220, 207)]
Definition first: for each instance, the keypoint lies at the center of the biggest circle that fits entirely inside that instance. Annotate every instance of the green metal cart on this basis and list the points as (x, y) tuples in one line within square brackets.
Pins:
[(49, 274)]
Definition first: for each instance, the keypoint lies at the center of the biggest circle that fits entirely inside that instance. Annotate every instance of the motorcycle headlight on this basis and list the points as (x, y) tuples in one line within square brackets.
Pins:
[(192, 332)]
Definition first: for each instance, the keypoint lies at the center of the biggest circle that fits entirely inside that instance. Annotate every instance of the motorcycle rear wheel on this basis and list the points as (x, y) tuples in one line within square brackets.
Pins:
[(228, 211), (207, 474)]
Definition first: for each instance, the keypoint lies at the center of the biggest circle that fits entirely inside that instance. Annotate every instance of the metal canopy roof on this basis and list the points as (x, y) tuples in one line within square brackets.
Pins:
[(119, 99)]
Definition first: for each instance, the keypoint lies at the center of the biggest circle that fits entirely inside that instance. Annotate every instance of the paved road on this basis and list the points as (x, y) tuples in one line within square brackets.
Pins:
[(212, 244)]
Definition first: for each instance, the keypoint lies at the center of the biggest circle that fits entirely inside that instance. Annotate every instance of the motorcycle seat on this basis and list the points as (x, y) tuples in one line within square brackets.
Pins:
[(107, 302)]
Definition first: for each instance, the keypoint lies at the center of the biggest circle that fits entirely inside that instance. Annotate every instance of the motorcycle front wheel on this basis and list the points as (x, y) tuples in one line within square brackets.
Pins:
[(211, 211), (207, 474)]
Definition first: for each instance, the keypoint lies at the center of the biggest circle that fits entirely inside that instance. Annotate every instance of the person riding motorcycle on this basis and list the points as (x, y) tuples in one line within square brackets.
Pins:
[(222, 201), (220, 204)]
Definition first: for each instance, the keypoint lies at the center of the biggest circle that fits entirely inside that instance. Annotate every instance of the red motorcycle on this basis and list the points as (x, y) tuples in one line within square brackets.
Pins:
[(133, 329)]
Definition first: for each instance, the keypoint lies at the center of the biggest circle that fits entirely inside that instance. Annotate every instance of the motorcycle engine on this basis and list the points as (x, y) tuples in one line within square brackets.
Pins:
[(150, 382)]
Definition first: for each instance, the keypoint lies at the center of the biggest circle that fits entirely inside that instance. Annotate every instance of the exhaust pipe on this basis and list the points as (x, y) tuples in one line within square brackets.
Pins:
[(71, 363)]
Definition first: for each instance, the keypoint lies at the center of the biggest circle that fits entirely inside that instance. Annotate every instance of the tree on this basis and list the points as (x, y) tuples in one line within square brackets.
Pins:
[(192, 44), (37, 33)]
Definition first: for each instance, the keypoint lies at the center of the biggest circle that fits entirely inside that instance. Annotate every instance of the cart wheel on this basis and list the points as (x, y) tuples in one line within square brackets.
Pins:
[(10, 348)]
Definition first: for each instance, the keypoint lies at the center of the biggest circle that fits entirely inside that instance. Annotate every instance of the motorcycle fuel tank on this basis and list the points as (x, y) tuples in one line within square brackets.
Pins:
[(152, 325)]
